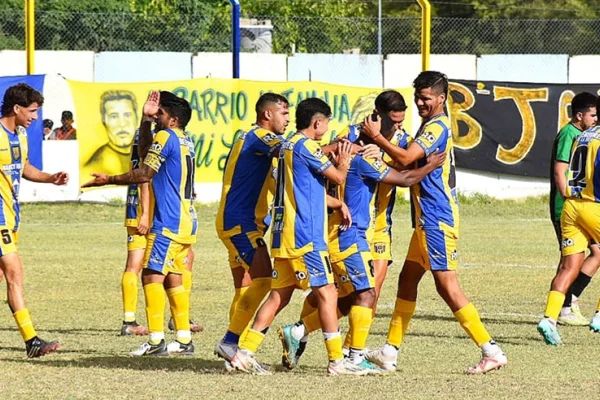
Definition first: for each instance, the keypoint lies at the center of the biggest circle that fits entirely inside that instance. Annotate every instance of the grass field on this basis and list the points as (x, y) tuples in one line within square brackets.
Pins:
[(74, 255)]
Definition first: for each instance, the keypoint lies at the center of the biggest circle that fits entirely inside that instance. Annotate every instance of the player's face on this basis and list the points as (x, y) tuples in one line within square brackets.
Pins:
[(119, 119), (429, 102), (321, 124), (397, 118), (279, 115), (26, 115), (589, 118), (164, 120)]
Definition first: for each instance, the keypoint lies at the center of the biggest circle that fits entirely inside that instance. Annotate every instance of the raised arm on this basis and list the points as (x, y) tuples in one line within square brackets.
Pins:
[(338, 172), (403, 157), (149, 112), (409, 177)]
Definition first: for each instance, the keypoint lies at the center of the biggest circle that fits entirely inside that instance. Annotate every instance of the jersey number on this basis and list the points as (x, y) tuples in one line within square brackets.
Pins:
[(279, 195), (6, 239), (189, 178), (578, 162)]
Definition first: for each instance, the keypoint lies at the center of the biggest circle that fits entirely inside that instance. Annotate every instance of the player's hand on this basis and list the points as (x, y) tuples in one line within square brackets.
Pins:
[(143, 225), (343, 154), (370, 151), (346, 217), (436, 160), (151, 105), (371, 128), (99, 180), (59, 178)]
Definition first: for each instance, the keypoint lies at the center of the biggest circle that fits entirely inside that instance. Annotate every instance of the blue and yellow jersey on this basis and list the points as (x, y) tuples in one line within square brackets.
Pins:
[(13, 156), (433, 200), (300, 205), (133, 206), (172, 156), (583, 178), (247, 183), (351, 132), (359, 195), (386, 193)]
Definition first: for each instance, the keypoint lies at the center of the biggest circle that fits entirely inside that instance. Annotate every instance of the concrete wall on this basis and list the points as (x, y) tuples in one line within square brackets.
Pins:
[(584, 69), (533, 68), (340, 69), (257, 67), (142, 66)]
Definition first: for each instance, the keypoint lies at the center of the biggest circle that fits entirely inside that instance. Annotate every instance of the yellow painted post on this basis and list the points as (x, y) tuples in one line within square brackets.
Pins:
[(30, 35), (425, 33)]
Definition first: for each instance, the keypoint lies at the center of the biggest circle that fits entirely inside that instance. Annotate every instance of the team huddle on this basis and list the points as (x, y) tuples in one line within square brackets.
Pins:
[(329, 210)]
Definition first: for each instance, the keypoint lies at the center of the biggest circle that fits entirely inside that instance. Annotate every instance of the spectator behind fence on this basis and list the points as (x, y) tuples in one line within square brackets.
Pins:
[(66, 131), (48, 124)]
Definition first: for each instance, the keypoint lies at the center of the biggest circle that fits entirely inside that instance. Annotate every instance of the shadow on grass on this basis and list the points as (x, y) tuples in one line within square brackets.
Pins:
[(448, 318), (139, 364), (62, 350), (67, 331)]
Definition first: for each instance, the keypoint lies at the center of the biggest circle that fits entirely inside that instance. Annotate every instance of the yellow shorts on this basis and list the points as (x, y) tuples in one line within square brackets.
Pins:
[(8, 241), (381, 246), (313, 269), (354, 274), (434, 249), (580, 225), (241, 248), (135, 241), (164, 255)]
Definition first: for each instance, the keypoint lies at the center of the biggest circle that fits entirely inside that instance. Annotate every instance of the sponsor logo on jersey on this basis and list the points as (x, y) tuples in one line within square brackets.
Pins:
[(567, 243), (379, 248), (300, 275)]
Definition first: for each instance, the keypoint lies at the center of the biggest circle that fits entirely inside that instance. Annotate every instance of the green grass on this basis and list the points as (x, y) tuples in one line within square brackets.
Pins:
[(73, 258)]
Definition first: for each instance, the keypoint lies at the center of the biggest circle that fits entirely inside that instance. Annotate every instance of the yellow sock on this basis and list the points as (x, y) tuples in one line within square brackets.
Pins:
[(334, 348), (252, 340), (239, 292), (24, 324), (348, 339), (186, 277), (129, 288), (468, 317), (403, 312), (361, 319), (554, 304), (312, 322), (155, 310), (248, 304), (307, 309), (598, 308), (179, 299)]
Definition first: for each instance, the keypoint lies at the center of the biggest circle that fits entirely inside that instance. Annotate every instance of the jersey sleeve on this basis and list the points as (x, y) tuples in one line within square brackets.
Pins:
[(433, 137), (370, 168), (564, 144), (266, 142), (313, 156), (159, 151)]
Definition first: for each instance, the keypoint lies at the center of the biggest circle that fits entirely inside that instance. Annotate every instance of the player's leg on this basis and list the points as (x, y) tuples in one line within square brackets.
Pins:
[(253, 249), (187, 285), (136, 247), (588, 270), (10, 264), (381, 249)]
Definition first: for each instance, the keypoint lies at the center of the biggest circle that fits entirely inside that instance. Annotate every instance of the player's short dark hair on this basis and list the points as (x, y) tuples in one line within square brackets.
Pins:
[(388, 101), (20, 94), (307, 109), (269, 98), (114, 95), (582, 102), (432, 79), (176, 107)]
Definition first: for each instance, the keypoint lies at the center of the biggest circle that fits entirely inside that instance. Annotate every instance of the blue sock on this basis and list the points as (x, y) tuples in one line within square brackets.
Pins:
[(231, 338)]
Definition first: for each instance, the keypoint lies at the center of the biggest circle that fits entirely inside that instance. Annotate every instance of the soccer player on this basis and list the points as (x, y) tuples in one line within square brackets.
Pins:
[(299, 236), (433, 245), (580, 225), (584, 116), (350, 250), (170, 164), (245, 201), (19, 108)]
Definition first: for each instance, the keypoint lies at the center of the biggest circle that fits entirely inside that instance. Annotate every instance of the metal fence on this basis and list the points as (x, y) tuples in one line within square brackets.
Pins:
[(198, 33)]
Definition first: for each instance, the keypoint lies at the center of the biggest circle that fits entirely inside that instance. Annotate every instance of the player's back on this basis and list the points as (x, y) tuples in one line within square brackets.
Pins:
[(133, 206), (244, 201), (172, 156), (12, 160), (300, 207), (434, 200), (583, 178)]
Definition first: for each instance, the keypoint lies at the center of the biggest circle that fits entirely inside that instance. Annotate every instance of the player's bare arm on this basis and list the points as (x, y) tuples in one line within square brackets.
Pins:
[(144, 222), (560, 177), (33, 174), (337, 204), (139, 175), (341, 160), (409, 177), (150, 111), (399, 155)]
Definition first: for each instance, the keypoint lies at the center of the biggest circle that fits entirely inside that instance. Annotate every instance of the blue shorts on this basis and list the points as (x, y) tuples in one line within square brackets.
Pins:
[(355, 273), (164, 255), (434, 249), (312, 269), (242, 248)]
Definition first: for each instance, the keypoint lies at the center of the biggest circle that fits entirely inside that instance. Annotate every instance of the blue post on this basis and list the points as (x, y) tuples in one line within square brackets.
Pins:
[(236, 36)]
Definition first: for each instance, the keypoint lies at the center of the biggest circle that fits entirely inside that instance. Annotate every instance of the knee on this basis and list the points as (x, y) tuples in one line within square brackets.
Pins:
[(366, 298)]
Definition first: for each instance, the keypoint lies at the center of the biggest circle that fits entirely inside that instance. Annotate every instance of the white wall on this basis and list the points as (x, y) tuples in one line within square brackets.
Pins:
[(340, 69), (258, 67), (584, 69), (532, 68), (115, 66)]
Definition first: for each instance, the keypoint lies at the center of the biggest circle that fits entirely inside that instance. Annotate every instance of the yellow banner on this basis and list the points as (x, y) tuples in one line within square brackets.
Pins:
[(109, 113)]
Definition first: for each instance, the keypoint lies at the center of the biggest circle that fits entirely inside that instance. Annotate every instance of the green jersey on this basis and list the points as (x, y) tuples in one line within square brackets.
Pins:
[(561, 152)]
